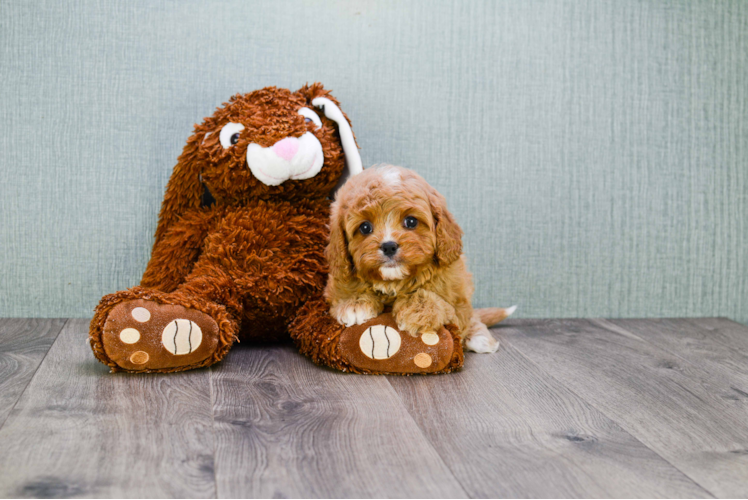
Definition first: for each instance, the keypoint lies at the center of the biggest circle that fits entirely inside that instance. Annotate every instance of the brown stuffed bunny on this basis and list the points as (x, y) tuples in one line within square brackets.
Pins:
[(239, 248)]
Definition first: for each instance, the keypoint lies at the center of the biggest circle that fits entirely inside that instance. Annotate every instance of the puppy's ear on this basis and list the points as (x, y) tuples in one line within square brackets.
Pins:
[(448, 232), (184, 190), (341, 265)]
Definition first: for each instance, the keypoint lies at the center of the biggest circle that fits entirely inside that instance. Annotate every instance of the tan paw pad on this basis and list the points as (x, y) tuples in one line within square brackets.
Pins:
[(141, 314), (430, 338), (422, 360), (379, 342), (129, 335), (181, 336), (139, 358)]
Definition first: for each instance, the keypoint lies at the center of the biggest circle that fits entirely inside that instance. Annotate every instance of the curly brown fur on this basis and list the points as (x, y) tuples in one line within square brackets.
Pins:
[(270, 114), (426, 282), (256, 256)]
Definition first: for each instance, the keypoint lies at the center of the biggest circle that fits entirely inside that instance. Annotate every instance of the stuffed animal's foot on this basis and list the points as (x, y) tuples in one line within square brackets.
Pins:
[(148, 335), (379, 346)]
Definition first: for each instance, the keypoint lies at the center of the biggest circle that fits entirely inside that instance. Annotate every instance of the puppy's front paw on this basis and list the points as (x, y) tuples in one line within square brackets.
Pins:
[(422, 312), (412, 327), (415, 322), (351, 313)]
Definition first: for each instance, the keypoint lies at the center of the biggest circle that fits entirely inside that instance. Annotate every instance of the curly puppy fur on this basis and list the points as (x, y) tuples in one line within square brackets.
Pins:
[(393, 243), (253, 257)]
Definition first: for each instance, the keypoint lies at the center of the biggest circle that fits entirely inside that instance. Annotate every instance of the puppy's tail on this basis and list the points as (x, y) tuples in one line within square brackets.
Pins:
[(489, 316)]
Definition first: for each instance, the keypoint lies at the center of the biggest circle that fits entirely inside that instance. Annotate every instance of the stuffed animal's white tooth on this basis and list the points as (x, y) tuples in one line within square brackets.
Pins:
[(290, 158)]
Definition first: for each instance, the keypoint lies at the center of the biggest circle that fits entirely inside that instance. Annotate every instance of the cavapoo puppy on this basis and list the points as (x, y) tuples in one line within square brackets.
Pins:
[(393, 243)]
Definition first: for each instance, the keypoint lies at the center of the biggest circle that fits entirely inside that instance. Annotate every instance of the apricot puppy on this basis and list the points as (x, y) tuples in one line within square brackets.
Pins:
[(394, 243)]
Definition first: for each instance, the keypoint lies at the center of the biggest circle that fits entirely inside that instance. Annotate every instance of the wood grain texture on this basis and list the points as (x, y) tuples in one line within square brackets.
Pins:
[(288, 428), (725, 360), (23, 345), (78, 431), (726, 332), (574, 408), (516, 432), (669, 404)]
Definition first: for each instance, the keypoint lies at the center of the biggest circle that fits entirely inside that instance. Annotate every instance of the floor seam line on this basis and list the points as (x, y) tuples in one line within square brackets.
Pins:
[(692, 321), (619, 424), (64, 324), (420, 430), (601, 323), (665, 349), (213, 431)]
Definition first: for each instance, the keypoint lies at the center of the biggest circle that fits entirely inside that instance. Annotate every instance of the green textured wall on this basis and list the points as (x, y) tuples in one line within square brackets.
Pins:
[(595, 152)]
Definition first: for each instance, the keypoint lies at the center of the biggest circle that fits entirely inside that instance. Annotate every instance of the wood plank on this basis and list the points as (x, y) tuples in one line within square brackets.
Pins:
[(725, 362), (23, 345), (288, 428), (725, 331), (506, 429), (79, 431), (671, 405)]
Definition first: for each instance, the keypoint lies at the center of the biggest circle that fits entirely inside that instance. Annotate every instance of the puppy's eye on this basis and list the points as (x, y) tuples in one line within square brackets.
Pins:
[(230, 134), (410, 222), (310, 116), (366, 228)]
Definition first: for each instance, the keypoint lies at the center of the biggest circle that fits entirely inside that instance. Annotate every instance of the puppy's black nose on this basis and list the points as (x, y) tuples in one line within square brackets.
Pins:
[(389, 248)]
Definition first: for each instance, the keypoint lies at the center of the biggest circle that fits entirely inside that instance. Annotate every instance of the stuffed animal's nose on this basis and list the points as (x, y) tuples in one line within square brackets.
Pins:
[(286, 148), (389, 248)]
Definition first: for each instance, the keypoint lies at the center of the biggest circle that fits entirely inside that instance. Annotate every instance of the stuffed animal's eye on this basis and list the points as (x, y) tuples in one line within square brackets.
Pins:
[(230, 134), (310, 116), (410, 222), (366, 228)]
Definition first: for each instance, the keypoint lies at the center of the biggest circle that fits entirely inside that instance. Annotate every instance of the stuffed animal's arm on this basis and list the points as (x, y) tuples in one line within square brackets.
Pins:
[(175, 253)]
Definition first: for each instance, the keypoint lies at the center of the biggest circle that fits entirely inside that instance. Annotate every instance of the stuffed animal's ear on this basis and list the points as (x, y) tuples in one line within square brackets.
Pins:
[(321, 99), (448, 232), (336, 252), (311, 92), (184, 190)]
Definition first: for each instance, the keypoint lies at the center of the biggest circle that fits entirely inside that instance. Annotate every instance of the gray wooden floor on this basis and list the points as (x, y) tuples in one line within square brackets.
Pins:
[(566, 408)]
